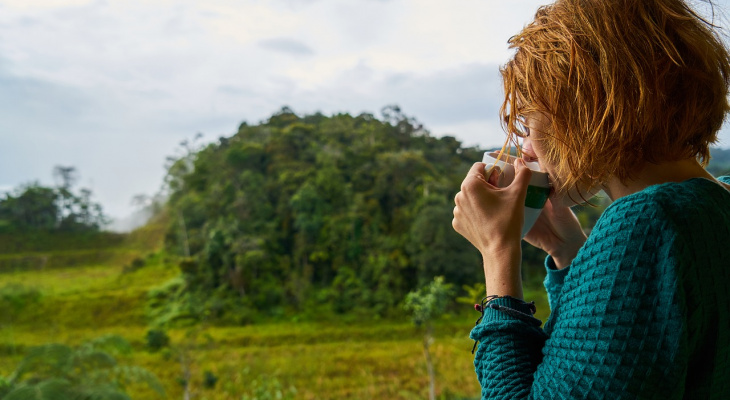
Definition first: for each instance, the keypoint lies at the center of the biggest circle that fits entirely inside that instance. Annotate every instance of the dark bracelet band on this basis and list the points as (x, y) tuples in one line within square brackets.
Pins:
[(488, 299), (487, 303)]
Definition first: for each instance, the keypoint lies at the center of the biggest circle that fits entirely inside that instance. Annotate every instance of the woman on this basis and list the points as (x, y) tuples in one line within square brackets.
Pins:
[(623, 96)]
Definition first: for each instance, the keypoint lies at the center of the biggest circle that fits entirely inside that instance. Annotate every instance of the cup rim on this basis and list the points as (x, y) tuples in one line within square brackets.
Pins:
[(533, 165), (539, 178)]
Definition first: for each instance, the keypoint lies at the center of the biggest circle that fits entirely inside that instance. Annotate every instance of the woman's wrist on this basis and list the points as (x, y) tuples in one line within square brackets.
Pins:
[(561, 263), (565, 255), (502, 271)]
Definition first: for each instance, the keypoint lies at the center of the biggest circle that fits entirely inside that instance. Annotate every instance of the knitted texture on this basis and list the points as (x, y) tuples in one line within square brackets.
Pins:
[(642, 312)]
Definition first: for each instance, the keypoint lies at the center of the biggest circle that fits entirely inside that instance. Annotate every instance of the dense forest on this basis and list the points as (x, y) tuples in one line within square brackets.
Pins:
[(342, 212)]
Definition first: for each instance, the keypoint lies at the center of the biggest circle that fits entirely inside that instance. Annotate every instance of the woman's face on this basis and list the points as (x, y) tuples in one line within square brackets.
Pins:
[(533, 149), (535, 125)]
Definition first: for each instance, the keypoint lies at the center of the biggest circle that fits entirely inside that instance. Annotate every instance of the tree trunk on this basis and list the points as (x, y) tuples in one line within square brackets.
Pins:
[(429, 363), (185, 364), (186, 249)]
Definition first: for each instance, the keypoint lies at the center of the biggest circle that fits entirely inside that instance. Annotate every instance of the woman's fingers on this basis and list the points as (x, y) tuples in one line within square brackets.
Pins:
[(478, 169), (522, 177), (493, 172), (475, 177), (485, 214)]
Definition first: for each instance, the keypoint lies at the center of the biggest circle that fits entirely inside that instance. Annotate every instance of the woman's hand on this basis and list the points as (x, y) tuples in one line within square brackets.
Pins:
[(491, 219), (557, 232)]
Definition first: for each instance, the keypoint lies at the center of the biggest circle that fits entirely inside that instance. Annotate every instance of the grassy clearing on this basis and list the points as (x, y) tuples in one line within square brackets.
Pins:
[(359, 368), (356, 368), (351, 358)]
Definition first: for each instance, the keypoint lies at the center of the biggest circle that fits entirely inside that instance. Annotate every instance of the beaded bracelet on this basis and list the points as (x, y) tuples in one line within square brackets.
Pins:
[(487, 303)]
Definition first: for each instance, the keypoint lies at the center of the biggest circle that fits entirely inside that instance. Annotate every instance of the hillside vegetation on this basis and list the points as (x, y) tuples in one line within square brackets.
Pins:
[(333, 214), (720, 162), (284, 358)]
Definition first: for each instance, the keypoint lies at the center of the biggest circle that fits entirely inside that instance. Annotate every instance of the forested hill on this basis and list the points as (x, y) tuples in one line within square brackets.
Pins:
[(720, 162), (343, 211)]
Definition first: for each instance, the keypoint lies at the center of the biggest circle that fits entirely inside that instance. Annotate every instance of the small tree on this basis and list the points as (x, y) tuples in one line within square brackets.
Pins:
[(426, 305), (89, 371)]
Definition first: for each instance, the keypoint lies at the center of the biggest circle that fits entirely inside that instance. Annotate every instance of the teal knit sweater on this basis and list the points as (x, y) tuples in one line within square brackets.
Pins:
[(642, 312)]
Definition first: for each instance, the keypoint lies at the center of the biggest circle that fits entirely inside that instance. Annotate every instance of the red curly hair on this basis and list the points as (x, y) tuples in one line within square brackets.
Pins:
[(623, 82)]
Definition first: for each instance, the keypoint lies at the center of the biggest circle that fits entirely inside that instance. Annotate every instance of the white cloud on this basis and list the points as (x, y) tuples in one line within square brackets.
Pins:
[(287, 46), (246, 22), (35, 5), (111, 86)]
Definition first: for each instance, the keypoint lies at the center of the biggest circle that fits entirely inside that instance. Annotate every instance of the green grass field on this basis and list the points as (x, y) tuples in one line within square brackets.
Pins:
[(347, 359)]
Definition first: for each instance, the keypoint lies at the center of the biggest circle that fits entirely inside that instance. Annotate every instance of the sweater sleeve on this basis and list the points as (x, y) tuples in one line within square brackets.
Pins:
[(614, 327), (554, 279)]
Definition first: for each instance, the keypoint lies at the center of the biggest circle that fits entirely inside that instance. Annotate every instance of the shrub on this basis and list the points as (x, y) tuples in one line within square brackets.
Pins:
[(209, 380), (14, 298), (269, 388), (136, 264), (157, 339), (89, 371)]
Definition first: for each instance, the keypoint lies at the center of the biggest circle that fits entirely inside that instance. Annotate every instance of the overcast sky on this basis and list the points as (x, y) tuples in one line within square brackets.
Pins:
[(111, 87)]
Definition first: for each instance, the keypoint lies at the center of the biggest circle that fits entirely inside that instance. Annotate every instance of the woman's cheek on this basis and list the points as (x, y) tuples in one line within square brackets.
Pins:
[(573, 196)]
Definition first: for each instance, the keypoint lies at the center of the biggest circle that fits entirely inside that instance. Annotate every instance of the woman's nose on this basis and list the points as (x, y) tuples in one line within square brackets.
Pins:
[(528, 154)]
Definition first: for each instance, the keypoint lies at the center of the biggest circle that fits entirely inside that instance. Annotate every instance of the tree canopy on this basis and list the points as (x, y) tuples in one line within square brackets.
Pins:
[(349, 211), (33, 207)]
